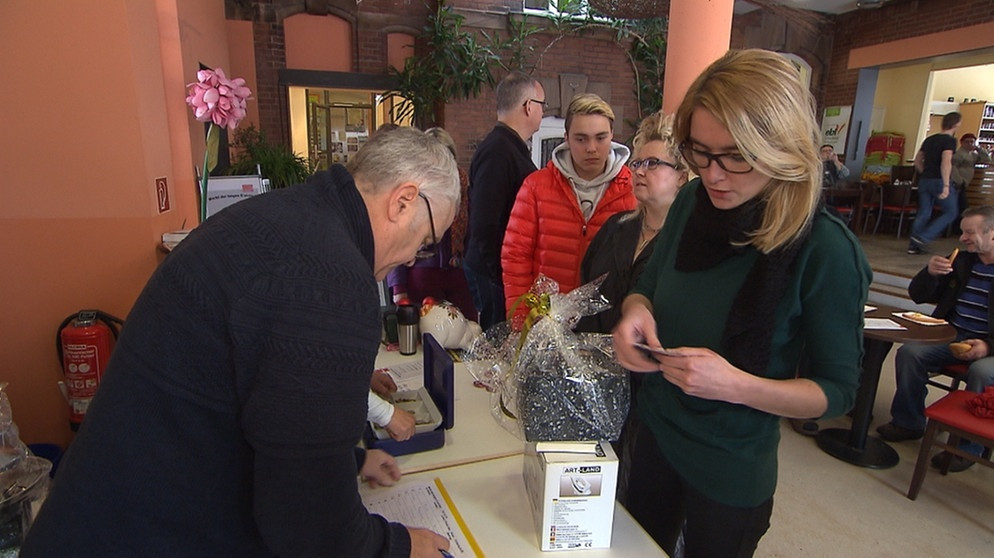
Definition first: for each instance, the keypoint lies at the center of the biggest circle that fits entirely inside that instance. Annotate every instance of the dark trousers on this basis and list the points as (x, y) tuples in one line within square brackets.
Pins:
[(660, 500), (488, 296)]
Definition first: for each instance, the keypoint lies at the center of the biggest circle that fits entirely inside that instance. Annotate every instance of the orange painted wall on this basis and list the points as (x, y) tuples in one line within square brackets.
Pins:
[(400, 47), (93, 111), (318, 43), (699, 34)]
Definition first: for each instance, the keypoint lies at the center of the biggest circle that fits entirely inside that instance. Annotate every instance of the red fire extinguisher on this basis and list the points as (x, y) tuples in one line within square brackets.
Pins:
[(84, 342)]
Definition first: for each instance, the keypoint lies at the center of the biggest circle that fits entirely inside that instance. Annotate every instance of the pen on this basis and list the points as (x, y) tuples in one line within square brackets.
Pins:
[(445, 554)]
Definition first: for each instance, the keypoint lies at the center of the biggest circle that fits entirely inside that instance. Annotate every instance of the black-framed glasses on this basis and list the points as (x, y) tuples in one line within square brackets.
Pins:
[(734, 163), (650, 163), (540, 103), (426, 252)]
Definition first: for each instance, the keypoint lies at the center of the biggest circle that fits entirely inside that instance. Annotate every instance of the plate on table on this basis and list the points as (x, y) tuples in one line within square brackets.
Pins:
[(921, 319)]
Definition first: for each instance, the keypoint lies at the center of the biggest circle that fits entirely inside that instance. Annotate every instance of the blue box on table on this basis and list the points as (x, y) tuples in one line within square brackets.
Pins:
[(439, 383)]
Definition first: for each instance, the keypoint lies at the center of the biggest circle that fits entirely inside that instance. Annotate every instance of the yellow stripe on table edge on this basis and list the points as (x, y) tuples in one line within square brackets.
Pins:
[(459, 520)]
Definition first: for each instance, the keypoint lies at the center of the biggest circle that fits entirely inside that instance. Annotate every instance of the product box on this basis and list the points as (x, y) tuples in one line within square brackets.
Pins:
[(435, 402), (571, 488)]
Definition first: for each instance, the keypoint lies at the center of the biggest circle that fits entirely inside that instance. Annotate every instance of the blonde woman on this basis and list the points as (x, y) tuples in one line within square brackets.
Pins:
[(624, 244), (746, 273)]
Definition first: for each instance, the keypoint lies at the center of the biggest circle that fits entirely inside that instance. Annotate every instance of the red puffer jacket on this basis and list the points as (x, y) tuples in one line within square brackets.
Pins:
[(547, 234)]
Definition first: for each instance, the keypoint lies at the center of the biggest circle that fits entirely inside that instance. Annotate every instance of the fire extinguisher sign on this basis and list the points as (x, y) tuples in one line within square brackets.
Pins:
[(83, 372)]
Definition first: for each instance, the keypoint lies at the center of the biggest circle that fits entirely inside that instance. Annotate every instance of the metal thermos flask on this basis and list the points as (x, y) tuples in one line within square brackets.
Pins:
[(407, 328)]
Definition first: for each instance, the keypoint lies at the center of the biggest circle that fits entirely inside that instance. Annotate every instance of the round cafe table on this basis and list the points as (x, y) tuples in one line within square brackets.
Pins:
[(853, 445)]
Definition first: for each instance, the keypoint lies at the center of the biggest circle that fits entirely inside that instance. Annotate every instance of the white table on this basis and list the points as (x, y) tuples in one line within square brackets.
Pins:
[(475, 435), (490, 495)]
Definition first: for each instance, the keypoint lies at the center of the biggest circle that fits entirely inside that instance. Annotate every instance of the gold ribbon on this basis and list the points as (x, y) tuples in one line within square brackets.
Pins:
[(539, 304)]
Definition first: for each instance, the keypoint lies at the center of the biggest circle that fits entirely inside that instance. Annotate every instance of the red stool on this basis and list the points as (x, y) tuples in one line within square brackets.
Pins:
[(950, 414), (957, 371)]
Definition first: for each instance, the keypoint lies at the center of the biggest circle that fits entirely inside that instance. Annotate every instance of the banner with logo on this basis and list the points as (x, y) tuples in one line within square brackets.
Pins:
[(835, 127)]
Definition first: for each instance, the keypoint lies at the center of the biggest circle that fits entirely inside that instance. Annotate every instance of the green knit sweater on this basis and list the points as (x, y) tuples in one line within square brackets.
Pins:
[(729, 451)]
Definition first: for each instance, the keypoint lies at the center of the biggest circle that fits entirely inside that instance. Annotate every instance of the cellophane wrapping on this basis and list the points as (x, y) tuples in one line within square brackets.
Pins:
[(547, 382)]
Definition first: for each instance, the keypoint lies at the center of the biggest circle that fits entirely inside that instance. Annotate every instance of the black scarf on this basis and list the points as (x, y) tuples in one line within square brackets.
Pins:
[(707, 240)]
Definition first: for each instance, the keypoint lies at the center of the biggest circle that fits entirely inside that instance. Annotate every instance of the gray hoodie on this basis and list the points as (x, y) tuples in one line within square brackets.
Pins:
[(589, 192)]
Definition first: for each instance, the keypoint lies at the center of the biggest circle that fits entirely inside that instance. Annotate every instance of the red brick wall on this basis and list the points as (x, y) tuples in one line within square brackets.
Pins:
[(596, 55), (900, 20), (600, 59), (270, 58)]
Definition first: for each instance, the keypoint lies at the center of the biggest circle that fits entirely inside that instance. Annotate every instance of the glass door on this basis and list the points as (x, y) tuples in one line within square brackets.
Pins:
[(338, 123)]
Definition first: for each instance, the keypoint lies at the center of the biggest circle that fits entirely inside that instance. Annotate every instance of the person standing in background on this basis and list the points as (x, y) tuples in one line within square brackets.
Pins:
[(560, 208), (499, 166), (934, 163), (623, 246), (965, 161), (438, 272)]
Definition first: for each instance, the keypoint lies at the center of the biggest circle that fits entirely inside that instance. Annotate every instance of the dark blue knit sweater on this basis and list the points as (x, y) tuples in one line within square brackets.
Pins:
[(227, 422)]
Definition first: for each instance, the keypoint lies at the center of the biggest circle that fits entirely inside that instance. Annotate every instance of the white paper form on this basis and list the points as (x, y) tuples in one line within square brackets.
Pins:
[(408, 376), (426, 505), (881, 323)]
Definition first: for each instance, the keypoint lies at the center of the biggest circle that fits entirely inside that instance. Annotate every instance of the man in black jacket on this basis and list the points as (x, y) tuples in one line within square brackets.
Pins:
[(227, 420), (499, 166), (961, 290)]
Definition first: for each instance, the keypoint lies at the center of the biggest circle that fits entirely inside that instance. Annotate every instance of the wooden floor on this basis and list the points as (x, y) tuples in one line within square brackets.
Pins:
[(888, 254)]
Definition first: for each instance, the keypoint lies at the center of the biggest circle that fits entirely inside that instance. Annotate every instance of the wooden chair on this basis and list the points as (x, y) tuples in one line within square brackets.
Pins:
[(844, 199), (950, 414), (956, 372), (871, 204)]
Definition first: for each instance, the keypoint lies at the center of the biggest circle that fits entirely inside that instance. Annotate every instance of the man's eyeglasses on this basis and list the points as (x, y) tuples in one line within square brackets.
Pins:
[(540, 103), (650, 163), (426, 252), (734, 163)]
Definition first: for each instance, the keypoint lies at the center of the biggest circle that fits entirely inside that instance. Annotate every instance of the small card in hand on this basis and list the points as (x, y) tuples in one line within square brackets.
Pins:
[(657, 350)]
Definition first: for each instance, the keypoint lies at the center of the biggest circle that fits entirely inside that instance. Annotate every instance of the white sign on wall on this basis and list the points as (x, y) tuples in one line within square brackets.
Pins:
[(835, 127), (223, 191)]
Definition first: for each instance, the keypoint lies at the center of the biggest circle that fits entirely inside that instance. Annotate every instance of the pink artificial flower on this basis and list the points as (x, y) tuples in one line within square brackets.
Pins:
[(215, 98)]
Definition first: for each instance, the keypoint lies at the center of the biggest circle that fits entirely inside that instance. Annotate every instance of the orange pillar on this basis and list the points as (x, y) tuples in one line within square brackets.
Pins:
[(699, 33)]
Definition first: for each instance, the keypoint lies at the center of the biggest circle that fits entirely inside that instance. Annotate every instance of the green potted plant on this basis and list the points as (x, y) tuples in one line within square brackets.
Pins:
[(455, 65), (278, 162)]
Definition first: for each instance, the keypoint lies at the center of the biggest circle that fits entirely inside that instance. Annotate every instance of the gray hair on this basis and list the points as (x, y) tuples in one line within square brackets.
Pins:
[(514, 90), (984, 211), (406, 154)]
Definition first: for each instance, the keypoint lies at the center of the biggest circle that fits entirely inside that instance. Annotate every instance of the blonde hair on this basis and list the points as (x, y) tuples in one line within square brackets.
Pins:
[(588, 103), (658, 126), (443, 137), (758, 96)]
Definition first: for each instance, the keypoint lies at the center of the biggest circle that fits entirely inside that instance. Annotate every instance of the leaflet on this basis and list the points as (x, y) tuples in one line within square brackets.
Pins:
[(426, 505)]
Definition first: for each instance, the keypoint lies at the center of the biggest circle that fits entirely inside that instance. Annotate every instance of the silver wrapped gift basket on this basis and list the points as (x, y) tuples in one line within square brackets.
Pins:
[(547, 382)]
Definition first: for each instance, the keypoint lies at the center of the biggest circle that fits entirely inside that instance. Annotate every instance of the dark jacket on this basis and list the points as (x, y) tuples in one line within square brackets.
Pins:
[(499, 166), (227, 420), (612, 252), (944, 290)]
